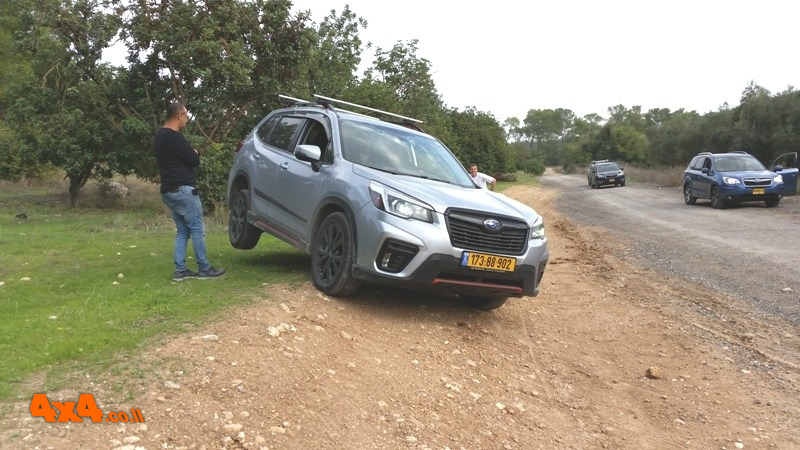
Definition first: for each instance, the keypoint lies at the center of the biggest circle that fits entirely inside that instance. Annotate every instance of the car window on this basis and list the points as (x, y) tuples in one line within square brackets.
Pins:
[(284, 132), (610, 167), (316, 134), (400, 151), (267, 126), (737, 163)]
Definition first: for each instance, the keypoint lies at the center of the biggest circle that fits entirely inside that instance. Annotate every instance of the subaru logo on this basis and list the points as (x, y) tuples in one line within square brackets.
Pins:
[(492, 224)]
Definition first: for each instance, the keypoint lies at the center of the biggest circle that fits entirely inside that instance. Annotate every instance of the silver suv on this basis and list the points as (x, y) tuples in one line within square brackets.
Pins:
[(382, 202)]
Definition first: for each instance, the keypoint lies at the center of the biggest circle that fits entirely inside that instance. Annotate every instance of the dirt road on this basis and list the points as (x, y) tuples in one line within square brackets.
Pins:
[(618, 351)]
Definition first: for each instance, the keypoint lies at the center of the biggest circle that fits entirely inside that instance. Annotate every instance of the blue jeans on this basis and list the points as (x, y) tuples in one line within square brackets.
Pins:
[(187, 212)]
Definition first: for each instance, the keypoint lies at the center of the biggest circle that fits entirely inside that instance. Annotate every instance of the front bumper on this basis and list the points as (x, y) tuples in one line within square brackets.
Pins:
[(423, 257), (738, 193), (610, 181), (444, 274)]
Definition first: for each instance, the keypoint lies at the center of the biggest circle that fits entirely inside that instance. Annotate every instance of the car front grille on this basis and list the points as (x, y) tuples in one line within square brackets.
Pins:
[(467, 231), (757, 182)]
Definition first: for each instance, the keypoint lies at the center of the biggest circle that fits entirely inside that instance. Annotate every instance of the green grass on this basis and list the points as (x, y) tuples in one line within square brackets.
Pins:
[(63, 303)]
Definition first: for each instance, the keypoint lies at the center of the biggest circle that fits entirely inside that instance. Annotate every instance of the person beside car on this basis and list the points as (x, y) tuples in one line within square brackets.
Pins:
[(177, 161), (481, 179)]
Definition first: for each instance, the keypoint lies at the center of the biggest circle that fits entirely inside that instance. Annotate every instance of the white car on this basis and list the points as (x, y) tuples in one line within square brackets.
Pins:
[(380, 202)]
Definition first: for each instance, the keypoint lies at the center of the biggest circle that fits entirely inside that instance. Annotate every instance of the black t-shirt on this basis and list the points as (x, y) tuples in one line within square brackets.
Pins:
[(176, 159)]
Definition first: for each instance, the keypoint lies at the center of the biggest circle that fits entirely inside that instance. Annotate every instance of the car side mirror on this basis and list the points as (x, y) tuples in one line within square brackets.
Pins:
[(705, 170), (309, 153), (777, 168)]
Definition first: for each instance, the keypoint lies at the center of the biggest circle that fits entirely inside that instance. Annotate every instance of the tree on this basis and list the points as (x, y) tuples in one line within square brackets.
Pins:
[(227, 61), (337, 55), (64, 114), (15, 68), (479, 138)]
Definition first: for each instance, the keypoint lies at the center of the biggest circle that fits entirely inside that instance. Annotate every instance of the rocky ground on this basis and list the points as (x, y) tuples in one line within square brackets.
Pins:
[(609, 355)]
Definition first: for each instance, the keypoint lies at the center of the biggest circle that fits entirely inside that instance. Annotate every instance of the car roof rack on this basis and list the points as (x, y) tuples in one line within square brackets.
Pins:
[(291, 101), (327, 103), (322, 100)]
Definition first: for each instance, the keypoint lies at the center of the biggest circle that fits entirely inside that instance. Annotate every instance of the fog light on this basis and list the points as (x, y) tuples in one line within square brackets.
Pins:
[(386, 258)]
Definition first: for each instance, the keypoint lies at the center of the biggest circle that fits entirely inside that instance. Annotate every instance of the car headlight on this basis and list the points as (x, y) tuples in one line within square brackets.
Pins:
[(730, 180), (398, 204), (537, 230), (778, 179)]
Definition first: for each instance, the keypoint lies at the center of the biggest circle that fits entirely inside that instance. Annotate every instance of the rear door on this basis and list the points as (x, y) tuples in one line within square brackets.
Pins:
[(788, 163), (701, 182)]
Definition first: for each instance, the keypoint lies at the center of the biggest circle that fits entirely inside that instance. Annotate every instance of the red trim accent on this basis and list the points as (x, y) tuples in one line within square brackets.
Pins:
[(515, 289)]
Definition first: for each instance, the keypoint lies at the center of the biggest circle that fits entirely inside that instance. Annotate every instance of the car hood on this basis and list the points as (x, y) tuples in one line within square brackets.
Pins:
[(609, 172), (442, 196), (749, 174)]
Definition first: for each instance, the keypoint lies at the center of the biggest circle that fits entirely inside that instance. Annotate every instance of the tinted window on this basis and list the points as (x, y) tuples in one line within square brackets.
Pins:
[(285, 132), (267, 126), (737, 163), (698, 163), (610, 167)]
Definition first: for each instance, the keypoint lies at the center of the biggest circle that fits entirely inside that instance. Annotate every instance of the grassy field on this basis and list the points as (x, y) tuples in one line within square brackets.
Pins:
[(81, 287)]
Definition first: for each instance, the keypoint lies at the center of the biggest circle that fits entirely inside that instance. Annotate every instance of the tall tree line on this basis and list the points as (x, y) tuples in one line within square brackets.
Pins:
[(63, 107), (763, 124)]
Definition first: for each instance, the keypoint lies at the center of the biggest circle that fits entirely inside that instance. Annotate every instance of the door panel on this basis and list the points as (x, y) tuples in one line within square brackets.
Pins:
[(789, 172)]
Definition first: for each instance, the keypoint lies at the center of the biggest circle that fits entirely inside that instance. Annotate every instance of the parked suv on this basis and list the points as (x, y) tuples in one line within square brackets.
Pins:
[(605, 173), (737, 177), (382, 202)]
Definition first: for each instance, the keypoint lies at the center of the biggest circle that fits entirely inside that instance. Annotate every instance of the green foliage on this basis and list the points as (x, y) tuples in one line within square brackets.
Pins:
[(534, 167), (337, 55), (478, 138), (212, 176)]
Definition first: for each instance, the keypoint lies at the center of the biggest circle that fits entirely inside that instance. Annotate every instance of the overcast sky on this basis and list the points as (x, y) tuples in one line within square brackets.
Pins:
[(509, 56)]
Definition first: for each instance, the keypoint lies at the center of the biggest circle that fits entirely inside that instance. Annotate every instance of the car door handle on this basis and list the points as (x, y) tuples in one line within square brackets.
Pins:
[(285, 166), (256, 155)]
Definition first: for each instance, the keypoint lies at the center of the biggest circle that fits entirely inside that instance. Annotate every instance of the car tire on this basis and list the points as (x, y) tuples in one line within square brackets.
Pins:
[(687, 195), (483, 303), (622, 184), (333, 255), (594, 184), (242, 234), (716, 202), (773, 202)]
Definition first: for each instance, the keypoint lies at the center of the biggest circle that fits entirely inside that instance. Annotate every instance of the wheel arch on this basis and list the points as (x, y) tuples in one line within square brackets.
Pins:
[(240, 181), (328, 207)]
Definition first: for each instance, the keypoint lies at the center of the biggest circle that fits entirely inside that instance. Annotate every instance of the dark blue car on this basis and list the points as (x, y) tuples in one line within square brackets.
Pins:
[(736, 177)]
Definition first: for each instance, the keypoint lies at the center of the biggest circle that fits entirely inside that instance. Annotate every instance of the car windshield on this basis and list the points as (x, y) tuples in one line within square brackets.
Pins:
[(608, 167), (401, 151), (737, 163)]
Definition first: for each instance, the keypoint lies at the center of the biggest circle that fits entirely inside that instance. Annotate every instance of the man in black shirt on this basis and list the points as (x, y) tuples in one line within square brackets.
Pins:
[(177, 161)]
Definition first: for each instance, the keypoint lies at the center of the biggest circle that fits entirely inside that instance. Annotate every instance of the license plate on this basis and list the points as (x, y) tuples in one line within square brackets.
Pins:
[(758, 191), (484, 261), (611, 180)]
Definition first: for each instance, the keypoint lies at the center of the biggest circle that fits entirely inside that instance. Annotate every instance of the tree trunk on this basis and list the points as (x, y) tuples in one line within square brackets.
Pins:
[(77, 180)]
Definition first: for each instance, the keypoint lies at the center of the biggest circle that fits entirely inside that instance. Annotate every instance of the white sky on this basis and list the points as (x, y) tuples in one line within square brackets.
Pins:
[(510, 56)]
